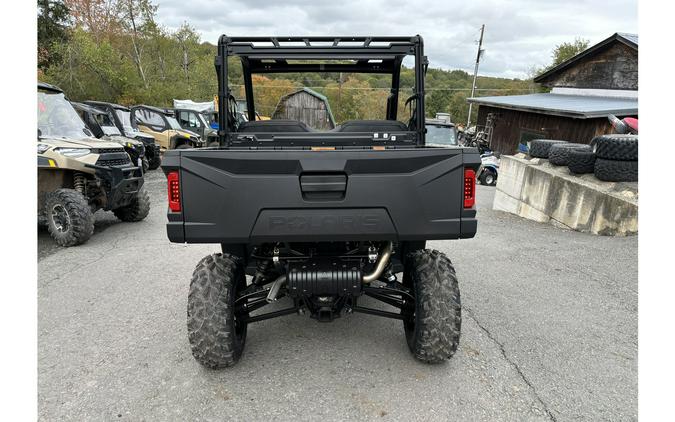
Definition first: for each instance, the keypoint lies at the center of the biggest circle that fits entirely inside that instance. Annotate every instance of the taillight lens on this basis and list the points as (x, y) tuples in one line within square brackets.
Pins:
[(469, 188), (174, 191)]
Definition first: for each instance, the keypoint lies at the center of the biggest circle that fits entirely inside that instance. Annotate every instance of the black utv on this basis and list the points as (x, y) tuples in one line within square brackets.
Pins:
[(321, 219), (196, 122), (121, 117), (101, 125)]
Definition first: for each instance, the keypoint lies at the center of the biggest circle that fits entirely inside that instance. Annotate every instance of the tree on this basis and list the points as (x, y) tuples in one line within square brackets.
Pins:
[(567, 50), (438, 102), (99, 17), (138, 18), (188, 39), (89, 69), (53, 20)]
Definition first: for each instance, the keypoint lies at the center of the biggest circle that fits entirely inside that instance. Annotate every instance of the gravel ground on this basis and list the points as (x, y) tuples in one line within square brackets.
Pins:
[(549, 333)]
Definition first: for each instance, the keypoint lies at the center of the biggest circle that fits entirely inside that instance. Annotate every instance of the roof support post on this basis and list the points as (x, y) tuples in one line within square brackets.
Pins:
[(248, 87), (420, 60), (223, 89), (392, 102)]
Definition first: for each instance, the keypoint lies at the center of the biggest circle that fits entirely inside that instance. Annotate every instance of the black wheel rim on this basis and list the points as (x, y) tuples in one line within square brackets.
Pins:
[(60, 218)]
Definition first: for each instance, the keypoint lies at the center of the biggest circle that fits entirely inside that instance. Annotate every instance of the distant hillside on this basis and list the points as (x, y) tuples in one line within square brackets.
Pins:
[(145, 63)]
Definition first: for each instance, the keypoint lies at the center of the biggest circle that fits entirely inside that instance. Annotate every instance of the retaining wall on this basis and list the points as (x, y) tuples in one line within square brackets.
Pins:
[(533, 188)]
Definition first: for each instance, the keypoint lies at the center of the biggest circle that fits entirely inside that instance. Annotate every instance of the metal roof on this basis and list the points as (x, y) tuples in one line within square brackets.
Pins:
[(630, 37), (575, 106)]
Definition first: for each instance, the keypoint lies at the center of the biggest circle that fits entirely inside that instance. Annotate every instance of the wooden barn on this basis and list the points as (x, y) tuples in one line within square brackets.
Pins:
[(307, 106), (585, 89)]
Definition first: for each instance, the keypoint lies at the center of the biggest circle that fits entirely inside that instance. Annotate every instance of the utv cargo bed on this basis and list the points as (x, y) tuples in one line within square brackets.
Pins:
[(254, 196)]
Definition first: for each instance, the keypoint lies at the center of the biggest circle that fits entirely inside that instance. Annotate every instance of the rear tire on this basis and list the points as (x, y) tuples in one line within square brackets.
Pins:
[(216, 338), (138, 209), (70, 220), (154, 162), (433, 331), (488, 178)]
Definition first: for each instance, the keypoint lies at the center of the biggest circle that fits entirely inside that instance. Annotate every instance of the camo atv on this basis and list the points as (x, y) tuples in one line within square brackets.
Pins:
[(164, 127), (79, 174)]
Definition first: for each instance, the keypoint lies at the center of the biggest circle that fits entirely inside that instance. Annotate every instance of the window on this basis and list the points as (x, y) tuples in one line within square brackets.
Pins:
[(188, 119), (440, 135), (151, 119)]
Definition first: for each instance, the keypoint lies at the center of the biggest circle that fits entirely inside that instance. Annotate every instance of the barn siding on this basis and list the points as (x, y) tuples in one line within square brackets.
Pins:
[(510, 123), (613, 68), (304, 107)]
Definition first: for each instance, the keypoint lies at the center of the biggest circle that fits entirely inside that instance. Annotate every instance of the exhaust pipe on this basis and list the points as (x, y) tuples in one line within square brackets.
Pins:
[(380, 265), (274, 290)]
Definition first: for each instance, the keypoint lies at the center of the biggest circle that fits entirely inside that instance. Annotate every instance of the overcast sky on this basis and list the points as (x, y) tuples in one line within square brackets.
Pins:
[(519, 34)]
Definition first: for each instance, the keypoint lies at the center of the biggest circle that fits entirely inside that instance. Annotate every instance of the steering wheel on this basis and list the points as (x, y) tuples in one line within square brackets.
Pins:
[(232, 112)]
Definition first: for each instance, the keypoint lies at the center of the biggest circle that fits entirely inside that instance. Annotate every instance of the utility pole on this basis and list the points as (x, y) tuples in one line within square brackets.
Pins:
[(475, 73)]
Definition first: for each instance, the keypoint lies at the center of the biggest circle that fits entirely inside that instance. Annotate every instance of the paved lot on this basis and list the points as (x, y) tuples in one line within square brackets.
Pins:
[(549, 333)]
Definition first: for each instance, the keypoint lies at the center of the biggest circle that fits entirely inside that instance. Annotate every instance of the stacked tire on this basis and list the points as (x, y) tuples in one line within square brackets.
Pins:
[(616, 158), (559, 153), (581, 160), (540, 148)]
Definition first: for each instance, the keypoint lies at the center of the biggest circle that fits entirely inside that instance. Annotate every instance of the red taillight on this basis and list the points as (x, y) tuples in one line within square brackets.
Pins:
[(469, 188), (174, 191)]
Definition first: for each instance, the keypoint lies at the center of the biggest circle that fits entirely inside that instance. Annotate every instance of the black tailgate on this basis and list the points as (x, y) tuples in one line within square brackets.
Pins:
[(255, 196)]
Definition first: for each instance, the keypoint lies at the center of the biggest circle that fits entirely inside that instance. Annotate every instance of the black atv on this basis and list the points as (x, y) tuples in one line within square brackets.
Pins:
[(321, 219), (196, 122), (101, 125), (121, 117)]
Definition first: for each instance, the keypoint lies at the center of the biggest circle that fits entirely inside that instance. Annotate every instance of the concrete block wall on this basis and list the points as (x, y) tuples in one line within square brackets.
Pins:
[(534, 189)]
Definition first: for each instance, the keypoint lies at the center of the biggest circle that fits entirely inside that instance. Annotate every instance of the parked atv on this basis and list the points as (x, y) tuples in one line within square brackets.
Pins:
[(489, 169), (102, 126), (164, 127), (321, 219), (195, 121), (79, 174), (121, 116), (472, 137), (441, 133)]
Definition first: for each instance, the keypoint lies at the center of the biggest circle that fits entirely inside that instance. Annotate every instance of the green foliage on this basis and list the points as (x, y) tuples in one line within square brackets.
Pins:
[(53, 19), (567, 50), (128, 58)]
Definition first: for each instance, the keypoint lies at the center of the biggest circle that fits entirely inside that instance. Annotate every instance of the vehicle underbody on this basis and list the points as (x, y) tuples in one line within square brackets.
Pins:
[(324, 279)]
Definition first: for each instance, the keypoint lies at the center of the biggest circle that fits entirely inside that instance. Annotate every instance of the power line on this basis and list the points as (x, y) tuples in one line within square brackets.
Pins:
[(386, 89)]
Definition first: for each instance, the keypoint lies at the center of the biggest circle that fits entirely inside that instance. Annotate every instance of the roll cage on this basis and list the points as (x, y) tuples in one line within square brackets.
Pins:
[(366, 54)]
